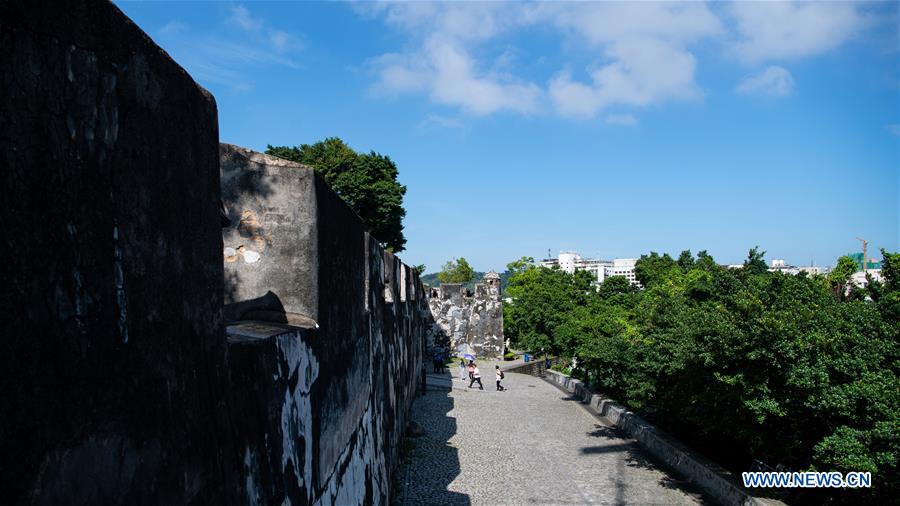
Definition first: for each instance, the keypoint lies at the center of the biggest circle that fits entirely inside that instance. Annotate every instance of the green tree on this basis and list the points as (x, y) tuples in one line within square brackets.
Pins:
[(685, 260), (771, 366), (615, 285), (887, 294), (419, 269), (839, 277), (367, 182), (456, 271), (540, 300), (651, 268), (520, 265), (755, 262)]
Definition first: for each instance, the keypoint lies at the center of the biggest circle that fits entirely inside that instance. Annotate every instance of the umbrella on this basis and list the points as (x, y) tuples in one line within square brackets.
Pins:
[(468, 356)]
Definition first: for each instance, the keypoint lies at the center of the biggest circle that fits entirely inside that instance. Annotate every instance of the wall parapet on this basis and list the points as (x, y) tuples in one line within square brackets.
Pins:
[(311, 260)]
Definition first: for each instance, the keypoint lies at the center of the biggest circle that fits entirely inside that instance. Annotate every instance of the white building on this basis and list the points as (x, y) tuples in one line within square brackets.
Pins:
[(779, 265), (620, 267), (859, 277), (569, 261)]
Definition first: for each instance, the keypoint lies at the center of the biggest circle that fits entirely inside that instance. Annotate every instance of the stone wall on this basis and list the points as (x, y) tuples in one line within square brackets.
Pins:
[(467, 321), (119, 384), (112, 357), (347, 320), (535, 367)]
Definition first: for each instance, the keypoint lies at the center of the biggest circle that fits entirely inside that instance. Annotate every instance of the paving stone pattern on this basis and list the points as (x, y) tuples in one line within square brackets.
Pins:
[(527, 445)]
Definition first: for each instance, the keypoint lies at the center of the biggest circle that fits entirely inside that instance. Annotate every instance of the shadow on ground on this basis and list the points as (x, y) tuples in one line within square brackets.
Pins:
[(431, 462), (636, 457)]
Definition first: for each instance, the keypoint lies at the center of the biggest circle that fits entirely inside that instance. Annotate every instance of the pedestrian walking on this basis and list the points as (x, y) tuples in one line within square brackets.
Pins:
[(476, 376), (499, 375), (462, 370)]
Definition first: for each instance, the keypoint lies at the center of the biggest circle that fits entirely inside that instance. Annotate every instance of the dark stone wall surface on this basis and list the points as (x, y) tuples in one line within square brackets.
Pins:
[(341, 382), (112, 355), (118, 381)]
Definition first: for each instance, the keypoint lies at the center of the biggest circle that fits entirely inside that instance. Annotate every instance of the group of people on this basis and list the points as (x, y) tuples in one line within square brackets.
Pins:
[(471, 370)]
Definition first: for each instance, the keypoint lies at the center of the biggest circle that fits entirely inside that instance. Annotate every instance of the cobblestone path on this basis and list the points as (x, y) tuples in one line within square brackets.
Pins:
[(528, 445)]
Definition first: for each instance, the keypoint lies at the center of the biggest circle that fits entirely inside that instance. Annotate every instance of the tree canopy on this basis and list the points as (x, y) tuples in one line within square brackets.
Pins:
[(746, 364), (367, 182), (456, 271)]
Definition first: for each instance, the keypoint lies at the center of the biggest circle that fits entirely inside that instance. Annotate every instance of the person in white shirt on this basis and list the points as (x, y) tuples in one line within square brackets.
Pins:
[(476, 376), (499, 375)]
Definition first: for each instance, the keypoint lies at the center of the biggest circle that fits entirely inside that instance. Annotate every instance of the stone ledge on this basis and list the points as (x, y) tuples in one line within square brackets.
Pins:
[(715, 481)]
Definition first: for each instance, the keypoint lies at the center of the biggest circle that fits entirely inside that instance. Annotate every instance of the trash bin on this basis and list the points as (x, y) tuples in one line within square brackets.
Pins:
[(527, 357)]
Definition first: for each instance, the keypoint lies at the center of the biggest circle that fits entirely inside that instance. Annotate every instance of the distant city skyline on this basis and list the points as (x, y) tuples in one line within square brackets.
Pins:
[(614, 128)]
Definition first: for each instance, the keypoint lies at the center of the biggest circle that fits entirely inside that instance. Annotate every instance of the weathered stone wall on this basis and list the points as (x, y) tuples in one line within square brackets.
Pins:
[(357, 357), (467, 321), (112, 356), (119, 384)]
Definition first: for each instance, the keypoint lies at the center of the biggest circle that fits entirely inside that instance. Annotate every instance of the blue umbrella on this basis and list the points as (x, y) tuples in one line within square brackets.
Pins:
[(468, 356)]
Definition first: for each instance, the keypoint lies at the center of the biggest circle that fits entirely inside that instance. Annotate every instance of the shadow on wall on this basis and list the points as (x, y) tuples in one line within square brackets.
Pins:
[(433, 464), (233, 215)]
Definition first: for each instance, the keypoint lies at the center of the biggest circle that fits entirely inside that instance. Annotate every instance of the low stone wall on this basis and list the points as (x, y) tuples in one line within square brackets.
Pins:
[(714, 480), (535, 367)]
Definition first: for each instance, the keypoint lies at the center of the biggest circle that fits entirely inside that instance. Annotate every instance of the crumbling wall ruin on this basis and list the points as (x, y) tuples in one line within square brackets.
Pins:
[(467, 321), (120, 383)]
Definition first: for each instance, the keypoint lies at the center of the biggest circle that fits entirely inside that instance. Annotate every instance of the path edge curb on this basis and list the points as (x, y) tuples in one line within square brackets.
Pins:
[(718, 483)]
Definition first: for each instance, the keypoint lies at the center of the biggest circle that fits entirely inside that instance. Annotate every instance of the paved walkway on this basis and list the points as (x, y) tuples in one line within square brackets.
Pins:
[(528, 445)]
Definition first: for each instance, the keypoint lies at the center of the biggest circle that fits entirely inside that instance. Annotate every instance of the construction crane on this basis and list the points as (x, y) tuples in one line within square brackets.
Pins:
[(865, 244)]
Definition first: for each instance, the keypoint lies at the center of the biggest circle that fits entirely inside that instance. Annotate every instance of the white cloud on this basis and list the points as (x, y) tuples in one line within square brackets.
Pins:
[(621, 119), (280, 40), (641, 47), (602, 23), (230, 61), (642, 53), (172, 27), (786, 30), (642, 72), (241, 16), (435, 120), (774, 81), (275, 40), (448, 74)]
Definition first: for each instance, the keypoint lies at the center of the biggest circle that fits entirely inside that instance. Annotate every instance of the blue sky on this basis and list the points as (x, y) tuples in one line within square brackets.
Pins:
[(608, 128)]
